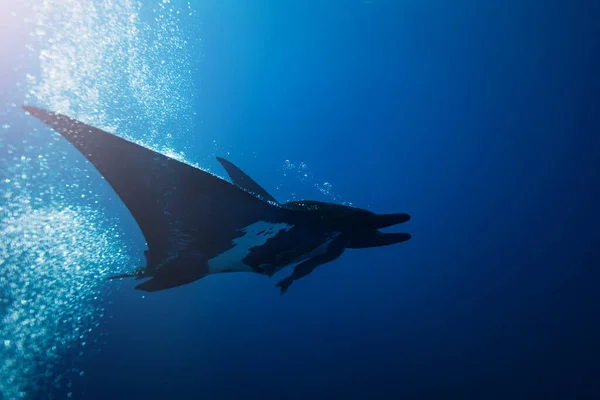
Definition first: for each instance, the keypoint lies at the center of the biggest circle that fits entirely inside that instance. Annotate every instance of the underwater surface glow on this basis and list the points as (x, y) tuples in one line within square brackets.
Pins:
[(103, 63)]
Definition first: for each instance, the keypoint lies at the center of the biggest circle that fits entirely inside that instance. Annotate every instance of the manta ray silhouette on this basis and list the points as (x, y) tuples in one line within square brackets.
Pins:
[(196, 224)]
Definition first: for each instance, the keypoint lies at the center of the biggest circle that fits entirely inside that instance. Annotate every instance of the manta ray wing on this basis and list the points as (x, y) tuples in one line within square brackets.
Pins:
[(176, 206)]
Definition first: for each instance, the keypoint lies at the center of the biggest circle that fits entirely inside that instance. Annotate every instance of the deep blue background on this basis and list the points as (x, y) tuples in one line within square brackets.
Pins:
[(480, 119)]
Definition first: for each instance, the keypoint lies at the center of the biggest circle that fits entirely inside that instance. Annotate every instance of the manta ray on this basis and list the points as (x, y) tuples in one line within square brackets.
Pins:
[(196, 224)]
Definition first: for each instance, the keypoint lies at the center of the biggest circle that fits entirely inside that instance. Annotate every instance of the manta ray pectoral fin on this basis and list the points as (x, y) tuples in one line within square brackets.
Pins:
[(156, 284), (176, 205), (166, 282), (242, 179), (180, 271)]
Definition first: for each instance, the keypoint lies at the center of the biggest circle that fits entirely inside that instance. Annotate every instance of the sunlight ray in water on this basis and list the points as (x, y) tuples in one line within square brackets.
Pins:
[(116, 65), (101, 62)]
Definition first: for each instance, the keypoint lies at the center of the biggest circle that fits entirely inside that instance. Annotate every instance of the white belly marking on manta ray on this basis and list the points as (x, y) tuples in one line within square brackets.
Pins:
[(256, 234)]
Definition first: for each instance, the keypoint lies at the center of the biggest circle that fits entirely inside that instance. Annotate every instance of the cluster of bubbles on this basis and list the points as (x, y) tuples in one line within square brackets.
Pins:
[(122, 67), (302, 173), (52, 260), (101, 62)]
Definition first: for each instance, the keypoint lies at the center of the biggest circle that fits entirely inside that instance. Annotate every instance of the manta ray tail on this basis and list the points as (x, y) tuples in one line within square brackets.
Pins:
[(138, 274)]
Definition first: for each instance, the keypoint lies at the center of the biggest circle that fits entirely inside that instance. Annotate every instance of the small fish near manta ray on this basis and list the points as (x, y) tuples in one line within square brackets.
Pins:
[(197, 224)]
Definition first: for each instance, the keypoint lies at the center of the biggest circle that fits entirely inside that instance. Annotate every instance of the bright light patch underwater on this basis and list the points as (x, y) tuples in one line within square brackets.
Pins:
[(52, 260), (122, 66)]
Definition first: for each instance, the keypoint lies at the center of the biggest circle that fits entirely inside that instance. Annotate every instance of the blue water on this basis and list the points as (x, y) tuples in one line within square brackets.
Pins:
[(480, 119)]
